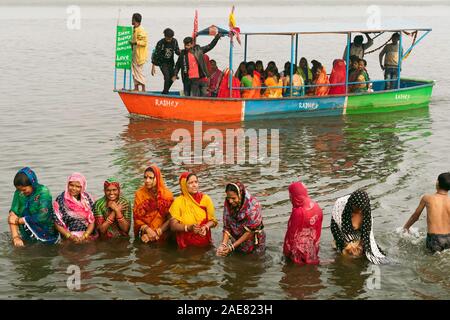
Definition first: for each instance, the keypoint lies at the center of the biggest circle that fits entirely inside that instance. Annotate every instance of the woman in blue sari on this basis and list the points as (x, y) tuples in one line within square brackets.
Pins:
[(30, 217)]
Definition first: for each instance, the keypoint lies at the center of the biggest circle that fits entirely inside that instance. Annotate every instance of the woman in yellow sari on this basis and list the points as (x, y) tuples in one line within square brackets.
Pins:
[(151, 207), (273, 80), (192, 214)]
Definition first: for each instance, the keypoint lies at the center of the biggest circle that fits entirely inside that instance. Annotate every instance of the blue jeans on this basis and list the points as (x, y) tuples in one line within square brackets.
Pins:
[(391, 74)]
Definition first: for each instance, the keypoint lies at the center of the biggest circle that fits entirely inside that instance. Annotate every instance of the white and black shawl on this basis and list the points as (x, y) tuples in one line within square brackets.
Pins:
[(343, 231)]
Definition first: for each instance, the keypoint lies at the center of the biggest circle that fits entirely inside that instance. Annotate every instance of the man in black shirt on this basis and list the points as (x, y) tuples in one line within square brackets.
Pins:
[(163, 56)]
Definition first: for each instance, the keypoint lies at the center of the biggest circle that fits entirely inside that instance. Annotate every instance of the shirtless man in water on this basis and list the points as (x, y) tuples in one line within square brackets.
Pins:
[(438, 215)]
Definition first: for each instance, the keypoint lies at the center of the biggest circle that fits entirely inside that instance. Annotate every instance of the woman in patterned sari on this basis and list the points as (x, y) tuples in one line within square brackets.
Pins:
[(243, 228), (112, 212), (74, 211), (192, 214), (151, 207), (30, 217), (301, 243), (352, 227)]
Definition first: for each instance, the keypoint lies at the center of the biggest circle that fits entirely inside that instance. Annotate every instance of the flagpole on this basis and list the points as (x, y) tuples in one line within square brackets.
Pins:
[(230, 67)]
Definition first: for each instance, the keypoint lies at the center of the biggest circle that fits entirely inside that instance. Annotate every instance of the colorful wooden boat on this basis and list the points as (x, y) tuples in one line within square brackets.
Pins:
[(411, 94)]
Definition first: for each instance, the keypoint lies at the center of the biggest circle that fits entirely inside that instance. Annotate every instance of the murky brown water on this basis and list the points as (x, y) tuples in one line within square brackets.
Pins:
[(58, 115)]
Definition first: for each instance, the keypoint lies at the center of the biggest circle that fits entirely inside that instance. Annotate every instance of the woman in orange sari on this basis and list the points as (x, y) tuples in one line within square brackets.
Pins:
[(252, 80), (151, 207), (320, 77), (192, 214), (273, 80)]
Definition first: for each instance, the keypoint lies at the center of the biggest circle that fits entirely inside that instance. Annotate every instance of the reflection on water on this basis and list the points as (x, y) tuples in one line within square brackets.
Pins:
[(332, 156)]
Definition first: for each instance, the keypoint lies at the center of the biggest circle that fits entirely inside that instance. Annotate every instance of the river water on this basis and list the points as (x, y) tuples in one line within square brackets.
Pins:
[(59, 115)]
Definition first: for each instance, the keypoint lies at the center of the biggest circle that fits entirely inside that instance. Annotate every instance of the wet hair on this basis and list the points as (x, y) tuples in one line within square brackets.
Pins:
[(168, 33), (358, 40), (231, 187), (137, 17), (21, 180), (444, 181), (188, 40), (191, 175)]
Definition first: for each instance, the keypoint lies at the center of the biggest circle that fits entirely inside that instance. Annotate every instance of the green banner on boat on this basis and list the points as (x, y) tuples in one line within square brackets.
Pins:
[(124, 52)]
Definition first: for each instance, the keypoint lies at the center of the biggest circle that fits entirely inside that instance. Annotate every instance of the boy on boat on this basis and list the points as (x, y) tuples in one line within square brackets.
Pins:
[(358, 48), (438, 215), (390, 66), (140, 52)]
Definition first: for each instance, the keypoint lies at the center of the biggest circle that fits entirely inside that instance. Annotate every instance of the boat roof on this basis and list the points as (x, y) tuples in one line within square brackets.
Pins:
[(322, 28)]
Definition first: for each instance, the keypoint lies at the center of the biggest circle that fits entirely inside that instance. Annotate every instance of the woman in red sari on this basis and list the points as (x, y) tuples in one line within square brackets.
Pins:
[(338, 77), (301, 243), (224, 88), (192, 214)]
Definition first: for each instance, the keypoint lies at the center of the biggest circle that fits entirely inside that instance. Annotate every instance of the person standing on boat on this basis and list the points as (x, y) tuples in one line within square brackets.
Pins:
[(163, 57), (390, 66), (192, 64), (214, 79), (140, 52), (357, 48)]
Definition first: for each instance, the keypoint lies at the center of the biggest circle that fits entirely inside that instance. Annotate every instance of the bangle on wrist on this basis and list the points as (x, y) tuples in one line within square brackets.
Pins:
[(185, 228), (68, 235), (16, 237), (159, 232), (231, 247), (85, 235)]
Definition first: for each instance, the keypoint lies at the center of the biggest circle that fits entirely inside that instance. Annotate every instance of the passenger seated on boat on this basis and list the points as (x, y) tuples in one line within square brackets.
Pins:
[(270, 65), (363, 65), (192, 64), (305, 71), (151, 207), (320, 78), (224, 88), (357, 78), (214, 79), (352, 227), (297, 81), (260, 69), (273, 80), (357, 48), (112, 212), (192, 214), (337, 76), (241, 71), (251, 80)]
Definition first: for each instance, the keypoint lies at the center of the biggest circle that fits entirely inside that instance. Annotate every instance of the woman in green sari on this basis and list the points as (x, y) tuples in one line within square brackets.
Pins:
[(30, 217)]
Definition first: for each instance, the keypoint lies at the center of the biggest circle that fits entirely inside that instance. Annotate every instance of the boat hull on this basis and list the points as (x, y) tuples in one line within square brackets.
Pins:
[(413, 94)]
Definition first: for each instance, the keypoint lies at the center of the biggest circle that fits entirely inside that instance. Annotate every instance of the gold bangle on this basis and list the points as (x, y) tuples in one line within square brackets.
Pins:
[(159, 232), (68, 235), (85, 235), (185, 228)]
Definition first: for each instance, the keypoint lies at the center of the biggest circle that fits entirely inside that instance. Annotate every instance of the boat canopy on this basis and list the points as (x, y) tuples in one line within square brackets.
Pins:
[(322, 28)]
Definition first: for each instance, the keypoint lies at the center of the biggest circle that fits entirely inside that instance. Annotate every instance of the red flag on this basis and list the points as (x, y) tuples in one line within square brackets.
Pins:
[(194, 33)]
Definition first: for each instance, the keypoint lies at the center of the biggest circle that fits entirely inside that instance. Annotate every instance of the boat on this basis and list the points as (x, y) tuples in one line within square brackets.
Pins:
[(408, 94)]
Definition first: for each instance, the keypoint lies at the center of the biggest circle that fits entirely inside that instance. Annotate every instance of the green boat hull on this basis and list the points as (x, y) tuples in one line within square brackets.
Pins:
[(407, 98)]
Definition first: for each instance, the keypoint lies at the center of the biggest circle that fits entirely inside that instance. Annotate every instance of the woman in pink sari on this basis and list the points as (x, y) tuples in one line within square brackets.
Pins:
[(338, 76), (224, 88), (301, 243), (74, 211)]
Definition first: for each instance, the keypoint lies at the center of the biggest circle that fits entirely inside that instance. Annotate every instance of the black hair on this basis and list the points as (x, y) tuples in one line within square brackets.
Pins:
[(231, 187), (353, 58), (137, 17), (212, 60), (191, 175), (444, 181), (188, 40), (21, 180), (365, 62), (149, 169), (397, 35), (251, 67), (169, 33), (259, 62), (358, 40)]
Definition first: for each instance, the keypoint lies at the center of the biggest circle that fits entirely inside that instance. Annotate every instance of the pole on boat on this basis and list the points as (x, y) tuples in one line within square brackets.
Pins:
[(349, 38), (291, 71), (230, 67), (115, 78), (296, 48), (400, 58), (124, 78), (131, 77), (245, 48)]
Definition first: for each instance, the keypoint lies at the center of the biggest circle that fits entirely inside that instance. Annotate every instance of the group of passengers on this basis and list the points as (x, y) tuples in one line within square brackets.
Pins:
[(76, 217)]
